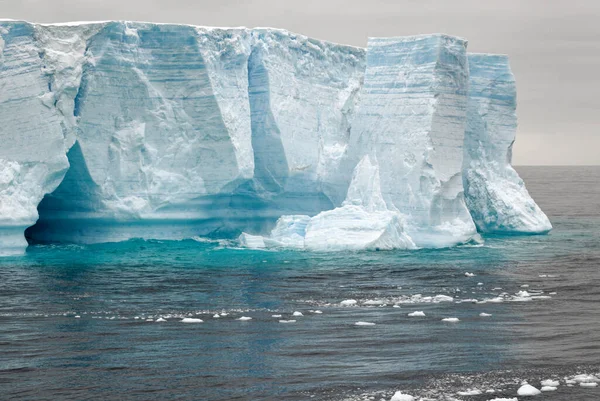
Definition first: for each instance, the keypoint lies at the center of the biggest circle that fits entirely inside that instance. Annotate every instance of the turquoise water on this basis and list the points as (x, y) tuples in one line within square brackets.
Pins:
[(79, 322)]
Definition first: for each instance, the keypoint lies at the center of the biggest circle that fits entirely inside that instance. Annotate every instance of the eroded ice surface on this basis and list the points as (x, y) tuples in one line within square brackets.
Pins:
[(496, 195)]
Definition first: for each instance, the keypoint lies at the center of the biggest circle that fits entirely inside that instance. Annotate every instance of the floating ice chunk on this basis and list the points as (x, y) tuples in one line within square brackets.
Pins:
[(525, 286), (245, 318), (276, 316), (354, 228), (348, 302), (479, 283), (289, 232), (77, 317), (160, 320), (364, 324), (548, 388), (287, 321), (296, 313), (374, 302), (585, 378), (251, 241), (550, 382), (528, 390), (505, 399), (470, 392), (191, 320), (442, 298), (224, 313), (216, 316), (470, 274), (588, 385), (400, 396), (451, 319), (483, 314), (417, 314), (318, 312)]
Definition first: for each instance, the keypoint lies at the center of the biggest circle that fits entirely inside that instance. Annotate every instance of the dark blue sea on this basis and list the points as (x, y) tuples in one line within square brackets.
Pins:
[(80, 322)]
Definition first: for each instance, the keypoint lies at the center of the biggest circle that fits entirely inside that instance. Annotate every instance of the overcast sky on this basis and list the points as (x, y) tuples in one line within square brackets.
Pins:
[(554, 47)]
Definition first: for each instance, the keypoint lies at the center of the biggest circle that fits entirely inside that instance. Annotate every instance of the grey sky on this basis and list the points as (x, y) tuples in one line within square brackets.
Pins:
[(554, 46)]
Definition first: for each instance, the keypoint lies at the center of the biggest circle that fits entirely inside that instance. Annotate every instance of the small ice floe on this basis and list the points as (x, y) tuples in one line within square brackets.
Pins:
[(483, 314), (479, 283), (543, 276), (451, 319), (550, 383), (77, 317), (400, 396), (548, 388), (525, 286), (552, 293), (364, 324), (348, 302), (245, 318), (160, 320), (191, 320), (374, 302), (216, 316), (588, 385), (276, 316), (395, 306), (318, 312), (469, 392), (583, 378), (418, 313), (296, 313), (224, 313), (149, 320), (287, 321), (442, 298), (528, 390), (469, 274), (505, 399)]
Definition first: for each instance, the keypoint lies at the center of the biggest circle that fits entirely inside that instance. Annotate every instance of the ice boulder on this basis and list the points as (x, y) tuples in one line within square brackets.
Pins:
[(411, 121), (363, 222), (495, 194)]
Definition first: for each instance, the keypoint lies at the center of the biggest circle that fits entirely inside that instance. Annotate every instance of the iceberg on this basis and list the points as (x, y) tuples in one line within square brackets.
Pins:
[(116, 130), (495, 194)]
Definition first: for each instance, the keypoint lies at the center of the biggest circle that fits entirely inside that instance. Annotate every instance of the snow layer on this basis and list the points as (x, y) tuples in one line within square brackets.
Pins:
[(496, 195), (114, 130)]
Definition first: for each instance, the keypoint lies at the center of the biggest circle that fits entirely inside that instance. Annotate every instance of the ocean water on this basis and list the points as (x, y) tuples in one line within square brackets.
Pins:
[(79, 322)]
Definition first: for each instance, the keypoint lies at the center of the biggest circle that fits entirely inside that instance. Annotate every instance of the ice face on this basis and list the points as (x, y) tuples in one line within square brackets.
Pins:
[(302, 96), (411, 122), (33, 132), (116, 130), (495, 194)]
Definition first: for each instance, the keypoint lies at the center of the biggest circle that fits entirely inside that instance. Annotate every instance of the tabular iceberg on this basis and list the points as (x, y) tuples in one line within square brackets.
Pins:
[(117, 130)]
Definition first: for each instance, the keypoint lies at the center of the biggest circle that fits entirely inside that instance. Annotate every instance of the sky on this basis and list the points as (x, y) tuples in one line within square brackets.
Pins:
[(553, 45)]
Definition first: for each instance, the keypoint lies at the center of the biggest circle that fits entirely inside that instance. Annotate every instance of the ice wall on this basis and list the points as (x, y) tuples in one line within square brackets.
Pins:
[(303, 94), (163, 126), (411, 123), (39, 76), (495, 194)]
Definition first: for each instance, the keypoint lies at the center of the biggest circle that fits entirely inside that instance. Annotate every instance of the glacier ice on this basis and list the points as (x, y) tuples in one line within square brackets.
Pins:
[(411, 120), (115, 130), (495, 194)]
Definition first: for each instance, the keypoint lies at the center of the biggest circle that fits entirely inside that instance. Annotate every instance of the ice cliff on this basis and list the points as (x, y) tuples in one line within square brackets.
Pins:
[(117, 130), (496, 195)]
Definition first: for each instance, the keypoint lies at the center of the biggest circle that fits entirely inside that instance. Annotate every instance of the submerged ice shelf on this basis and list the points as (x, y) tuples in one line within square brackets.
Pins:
[(117, 130)]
